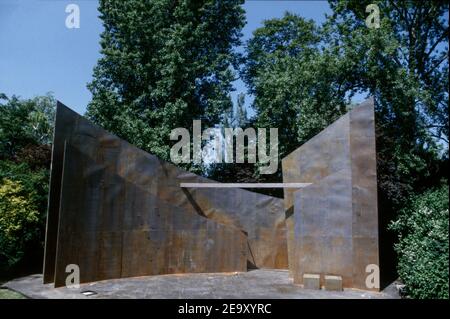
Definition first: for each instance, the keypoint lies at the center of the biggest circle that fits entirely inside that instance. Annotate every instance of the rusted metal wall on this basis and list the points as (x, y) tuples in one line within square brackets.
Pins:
[(112, 228), (333, 223), (260, 218)]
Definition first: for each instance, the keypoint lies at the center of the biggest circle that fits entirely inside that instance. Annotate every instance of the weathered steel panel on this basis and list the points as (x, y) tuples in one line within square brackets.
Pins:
[(333, 229), (63, 121), (323, 155), (323, 228), (364, 191), (259, 217), (112, 228)]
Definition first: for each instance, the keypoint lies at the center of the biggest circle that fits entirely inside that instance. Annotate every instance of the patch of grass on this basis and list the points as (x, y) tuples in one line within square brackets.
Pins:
[(9, 294)]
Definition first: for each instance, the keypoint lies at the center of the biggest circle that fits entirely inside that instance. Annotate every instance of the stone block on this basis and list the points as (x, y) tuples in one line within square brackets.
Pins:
[(333, 283), (311, 281)]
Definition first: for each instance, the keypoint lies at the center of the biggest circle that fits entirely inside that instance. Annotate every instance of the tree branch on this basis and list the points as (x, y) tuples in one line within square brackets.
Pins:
[(439, 137), (443, 36), (436, 65), (401, 13)]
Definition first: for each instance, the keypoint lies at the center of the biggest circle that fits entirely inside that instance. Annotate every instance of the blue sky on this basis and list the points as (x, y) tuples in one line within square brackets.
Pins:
[(38, 54)]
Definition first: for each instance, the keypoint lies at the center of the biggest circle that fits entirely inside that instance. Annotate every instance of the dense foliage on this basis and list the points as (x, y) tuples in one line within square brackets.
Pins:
[(25, 133), (293, 81), (404, 65), (164, 64), (23, 199), (303, 77), (423, 244)]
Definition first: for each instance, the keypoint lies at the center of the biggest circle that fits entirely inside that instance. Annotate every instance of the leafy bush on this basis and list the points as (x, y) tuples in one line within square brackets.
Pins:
[(19, 219), (34, 182), (26, 128), (423, 246), (23, 201)]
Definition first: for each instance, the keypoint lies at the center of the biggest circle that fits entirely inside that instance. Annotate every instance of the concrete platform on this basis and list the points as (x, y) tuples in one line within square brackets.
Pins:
[(270, 284)]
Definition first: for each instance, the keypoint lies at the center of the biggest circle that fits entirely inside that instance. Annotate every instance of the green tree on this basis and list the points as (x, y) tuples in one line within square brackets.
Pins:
[(25, 124), (236, 114), (304, 76), (422, 227), (163, 64), (296, 84), (19, 222), (26, 128), (241, 112), (404, 65)]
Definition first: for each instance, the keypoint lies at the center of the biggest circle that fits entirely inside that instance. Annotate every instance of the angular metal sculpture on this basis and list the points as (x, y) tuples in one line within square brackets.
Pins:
[(333, 223), (118, 211)]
